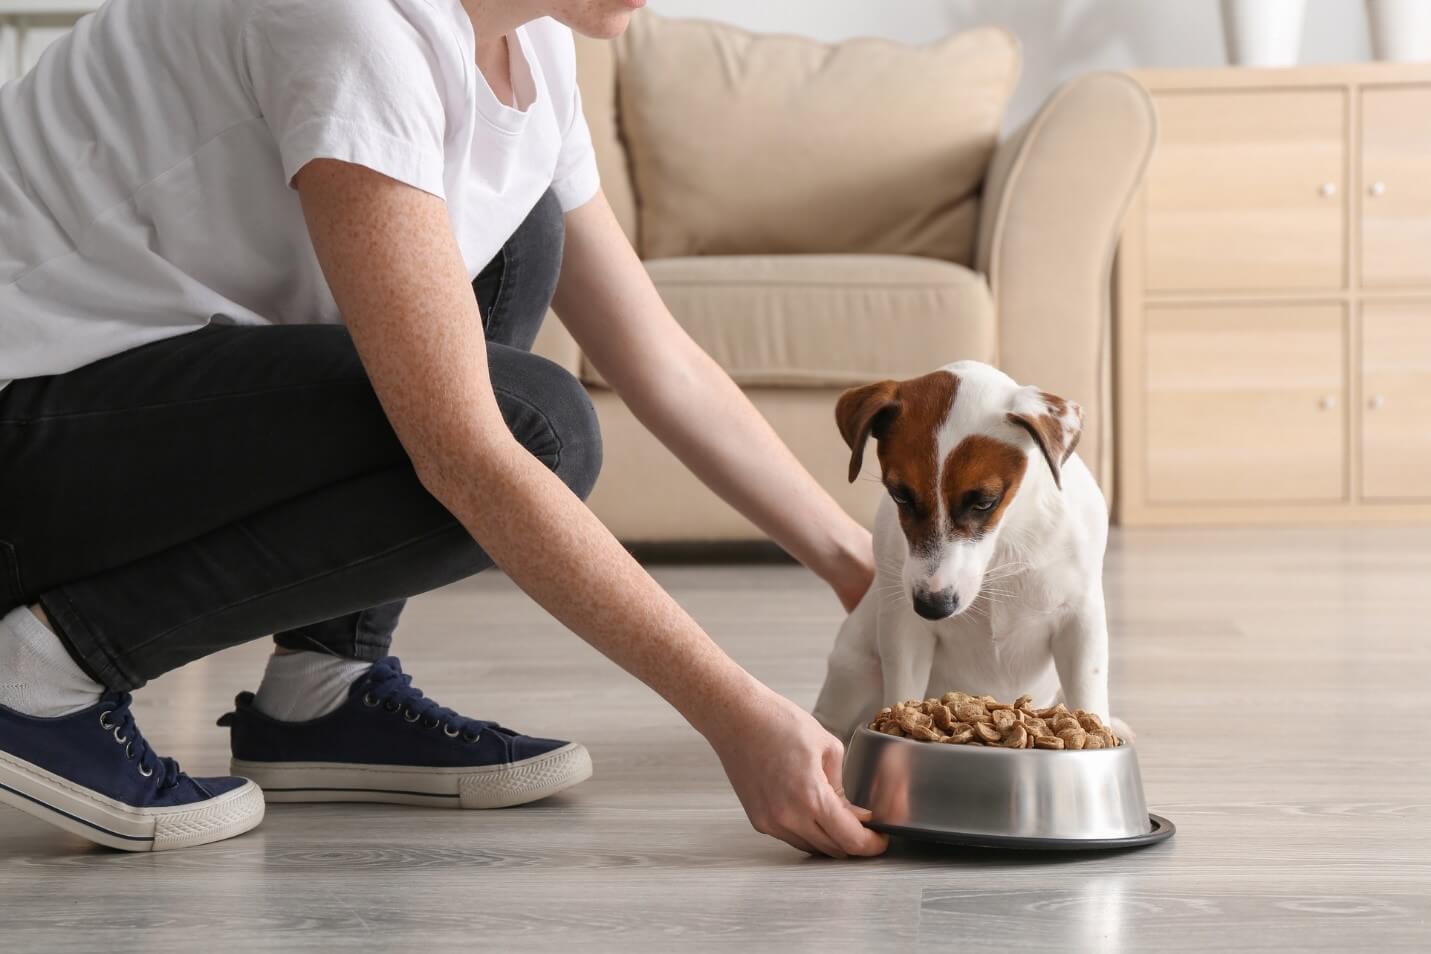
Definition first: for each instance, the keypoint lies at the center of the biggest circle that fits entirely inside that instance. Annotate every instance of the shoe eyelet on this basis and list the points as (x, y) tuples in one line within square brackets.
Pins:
[(370, 700), (468, 737), (145, 772), (450, 732), (431, 723), (129, 750), (391, 706), (409, 716), (104, 722), (121, 739)]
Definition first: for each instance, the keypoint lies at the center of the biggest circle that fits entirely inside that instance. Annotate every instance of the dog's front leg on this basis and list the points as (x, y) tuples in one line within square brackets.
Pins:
[(906, 653), (1080, 654), (851, 692)]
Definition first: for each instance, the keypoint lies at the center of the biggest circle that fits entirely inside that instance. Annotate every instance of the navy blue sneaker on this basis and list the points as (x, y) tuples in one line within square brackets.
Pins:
[(93, 774), (387, 742)]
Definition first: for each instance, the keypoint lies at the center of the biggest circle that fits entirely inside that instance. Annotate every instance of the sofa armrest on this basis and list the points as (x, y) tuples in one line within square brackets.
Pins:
[(1053, 206)]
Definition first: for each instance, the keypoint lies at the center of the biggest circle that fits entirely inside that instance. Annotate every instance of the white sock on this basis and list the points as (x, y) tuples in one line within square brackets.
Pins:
[(37, 674), (300, 686)]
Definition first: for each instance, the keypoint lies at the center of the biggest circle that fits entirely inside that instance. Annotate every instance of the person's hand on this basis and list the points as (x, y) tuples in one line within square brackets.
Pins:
[(786, 771)]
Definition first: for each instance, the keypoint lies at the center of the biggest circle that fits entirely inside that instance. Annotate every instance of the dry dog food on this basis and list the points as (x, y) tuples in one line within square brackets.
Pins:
[(961, 719)]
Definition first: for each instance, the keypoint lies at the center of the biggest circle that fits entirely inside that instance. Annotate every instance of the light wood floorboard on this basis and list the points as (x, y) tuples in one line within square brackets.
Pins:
[(1278, 681)]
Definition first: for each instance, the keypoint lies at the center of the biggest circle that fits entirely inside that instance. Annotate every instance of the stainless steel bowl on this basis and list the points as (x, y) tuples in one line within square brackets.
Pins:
[(1032, 798)]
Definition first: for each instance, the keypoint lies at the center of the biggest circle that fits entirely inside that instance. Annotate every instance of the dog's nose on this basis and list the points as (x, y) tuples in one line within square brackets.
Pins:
[(939, 605)]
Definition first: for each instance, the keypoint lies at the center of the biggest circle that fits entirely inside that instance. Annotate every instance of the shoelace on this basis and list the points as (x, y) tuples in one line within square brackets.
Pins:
[(385, 683), (119, 722)]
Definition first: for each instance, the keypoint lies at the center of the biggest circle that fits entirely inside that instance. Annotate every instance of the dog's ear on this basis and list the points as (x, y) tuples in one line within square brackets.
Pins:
[(863, 411), (1056, 425)]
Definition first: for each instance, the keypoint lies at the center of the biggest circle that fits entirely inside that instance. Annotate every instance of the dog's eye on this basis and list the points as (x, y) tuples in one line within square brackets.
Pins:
[(984, 505), (901, 496)]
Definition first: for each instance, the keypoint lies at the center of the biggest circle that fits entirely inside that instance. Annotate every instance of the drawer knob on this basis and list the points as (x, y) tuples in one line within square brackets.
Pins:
[(1327, 190), (1376, 189), (1327, 402), (1376, 402)]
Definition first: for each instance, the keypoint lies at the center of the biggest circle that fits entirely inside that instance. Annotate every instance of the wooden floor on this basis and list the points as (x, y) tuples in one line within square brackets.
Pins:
[(1278, 682)]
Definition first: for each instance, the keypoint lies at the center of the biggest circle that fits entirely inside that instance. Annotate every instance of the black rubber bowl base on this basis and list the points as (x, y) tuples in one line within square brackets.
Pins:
[(1162, 830)]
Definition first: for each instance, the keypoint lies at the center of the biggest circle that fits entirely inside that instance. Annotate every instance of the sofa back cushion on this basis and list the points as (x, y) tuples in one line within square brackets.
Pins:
[(824, 321), (743, 143)]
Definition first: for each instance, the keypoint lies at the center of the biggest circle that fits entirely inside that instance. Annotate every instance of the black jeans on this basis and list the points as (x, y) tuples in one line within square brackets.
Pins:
[(222, 485)]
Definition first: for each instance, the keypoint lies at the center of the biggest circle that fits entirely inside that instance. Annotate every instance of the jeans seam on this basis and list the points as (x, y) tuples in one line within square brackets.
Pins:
[(494, 318), (14, 563), (66, 617), (355, 644), (363, 634), (188, 402)]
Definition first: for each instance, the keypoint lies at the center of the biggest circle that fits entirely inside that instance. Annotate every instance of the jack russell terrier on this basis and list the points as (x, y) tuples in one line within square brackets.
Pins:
[(989, 561)]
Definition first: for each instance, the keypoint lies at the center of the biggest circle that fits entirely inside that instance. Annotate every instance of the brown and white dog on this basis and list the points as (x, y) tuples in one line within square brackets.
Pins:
[(988, 549)]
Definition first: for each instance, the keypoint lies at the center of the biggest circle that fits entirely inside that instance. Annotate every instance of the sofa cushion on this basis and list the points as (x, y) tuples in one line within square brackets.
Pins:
[(741, 143), (825, 320)]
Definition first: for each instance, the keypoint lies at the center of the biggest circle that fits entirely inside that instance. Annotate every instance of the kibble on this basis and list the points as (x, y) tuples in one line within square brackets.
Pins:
[(958, 718)]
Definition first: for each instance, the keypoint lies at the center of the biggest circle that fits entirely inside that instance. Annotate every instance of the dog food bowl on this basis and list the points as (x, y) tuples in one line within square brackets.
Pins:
[(995, 797)]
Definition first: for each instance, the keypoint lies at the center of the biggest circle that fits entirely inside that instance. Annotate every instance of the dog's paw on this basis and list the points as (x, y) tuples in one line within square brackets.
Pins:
[(1122, 730)]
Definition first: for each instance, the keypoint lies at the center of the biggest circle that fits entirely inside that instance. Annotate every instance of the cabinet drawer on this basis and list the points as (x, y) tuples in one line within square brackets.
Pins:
[(1396, 401), (1246, 191), (1245, 403), (1396, 184)]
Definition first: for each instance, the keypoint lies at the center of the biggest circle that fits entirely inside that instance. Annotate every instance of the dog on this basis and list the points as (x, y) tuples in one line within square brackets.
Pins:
[(988, 550)]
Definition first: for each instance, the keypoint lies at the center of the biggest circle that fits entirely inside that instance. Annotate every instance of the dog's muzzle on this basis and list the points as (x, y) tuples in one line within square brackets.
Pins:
[(935, 606)]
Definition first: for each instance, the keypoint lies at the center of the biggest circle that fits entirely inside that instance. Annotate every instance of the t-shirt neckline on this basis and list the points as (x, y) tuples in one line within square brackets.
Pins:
[(519, 54)]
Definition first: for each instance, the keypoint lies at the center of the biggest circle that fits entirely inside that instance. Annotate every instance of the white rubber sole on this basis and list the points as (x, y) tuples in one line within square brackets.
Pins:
[(496, 786), (114, 824)]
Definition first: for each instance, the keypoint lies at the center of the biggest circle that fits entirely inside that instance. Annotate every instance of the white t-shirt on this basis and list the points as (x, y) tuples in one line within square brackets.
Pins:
[(146, 161)]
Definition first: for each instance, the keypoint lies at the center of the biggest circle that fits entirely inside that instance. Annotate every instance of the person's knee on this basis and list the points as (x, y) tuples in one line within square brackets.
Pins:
[(579, 461), (550, 412)]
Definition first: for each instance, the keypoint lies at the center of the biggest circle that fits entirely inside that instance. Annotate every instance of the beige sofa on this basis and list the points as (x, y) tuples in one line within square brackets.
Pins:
[(795, 329)]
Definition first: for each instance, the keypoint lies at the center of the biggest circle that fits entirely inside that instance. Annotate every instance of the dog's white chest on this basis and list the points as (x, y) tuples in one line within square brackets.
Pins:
[(1003, 655)]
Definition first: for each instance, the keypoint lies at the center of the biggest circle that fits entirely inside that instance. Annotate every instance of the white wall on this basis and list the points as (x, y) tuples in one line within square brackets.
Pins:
[(1061, 38), (24, 37)]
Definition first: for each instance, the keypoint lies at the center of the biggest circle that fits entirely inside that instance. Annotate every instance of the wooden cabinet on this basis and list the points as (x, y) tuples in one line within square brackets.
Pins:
[(1396, 400), (1246, 191), (1245, 404), (1273, 300), (1396, 186)]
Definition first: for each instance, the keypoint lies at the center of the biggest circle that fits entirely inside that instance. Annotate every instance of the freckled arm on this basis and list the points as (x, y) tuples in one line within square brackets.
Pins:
[(608, 302), (395, 269)]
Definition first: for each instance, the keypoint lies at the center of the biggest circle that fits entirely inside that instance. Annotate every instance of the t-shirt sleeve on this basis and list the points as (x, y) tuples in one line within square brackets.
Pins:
[(576, 180), (352, 80)]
